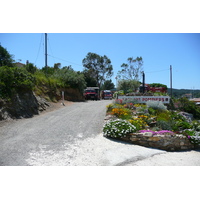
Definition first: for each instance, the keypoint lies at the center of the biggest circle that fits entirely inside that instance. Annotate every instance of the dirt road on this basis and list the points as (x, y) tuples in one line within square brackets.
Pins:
[(52, 131)]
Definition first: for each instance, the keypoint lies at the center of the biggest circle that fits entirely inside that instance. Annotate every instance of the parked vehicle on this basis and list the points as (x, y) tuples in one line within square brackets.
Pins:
[(91, 93), (106, 94)]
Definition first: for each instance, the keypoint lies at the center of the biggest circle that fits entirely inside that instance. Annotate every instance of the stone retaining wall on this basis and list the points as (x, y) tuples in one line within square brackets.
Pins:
[(165, 142)]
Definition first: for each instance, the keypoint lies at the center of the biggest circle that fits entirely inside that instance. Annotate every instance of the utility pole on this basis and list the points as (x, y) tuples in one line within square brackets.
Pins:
[(143, 82), (171, 79), (116, 82), (45, 49)]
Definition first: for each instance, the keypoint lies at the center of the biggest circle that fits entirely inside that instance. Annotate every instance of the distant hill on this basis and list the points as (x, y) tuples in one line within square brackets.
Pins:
[(177, 93)]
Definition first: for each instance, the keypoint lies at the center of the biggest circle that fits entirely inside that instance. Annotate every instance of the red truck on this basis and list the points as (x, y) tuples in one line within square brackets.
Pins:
[(91, 93), (106, 94)]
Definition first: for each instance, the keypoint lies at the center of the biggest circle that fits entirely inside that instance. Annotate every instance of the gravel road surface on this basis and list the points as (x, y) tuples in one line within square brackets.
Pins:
[(72, 136), (50, 132)]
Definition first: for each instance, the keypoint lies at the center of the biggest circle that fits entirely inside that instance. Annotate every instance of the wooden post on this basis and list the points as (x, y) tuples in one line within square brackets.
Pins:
[(171, 80), (143, 83), (63, 98)]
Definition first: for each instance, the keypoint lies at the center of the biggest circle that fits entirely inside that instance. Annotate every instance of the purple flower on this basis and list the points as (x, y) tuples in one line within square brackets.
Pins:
[(164, 132)]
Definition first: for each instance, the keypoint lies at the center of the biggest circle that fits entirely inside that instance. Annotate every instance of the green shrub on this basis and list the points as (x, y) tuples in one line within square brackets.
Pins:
[(6, 59), (31, 68), (196, 125), (23, 79), (176, 116), (157, 85), (194, 136), (139, 123), (156, 105), (164, 115), (53, 83), (70, 78), (13, 79), (118, 93), (186, 105), (40, 77), (110, 107), (118, 128), (164, 125), (151, 111)]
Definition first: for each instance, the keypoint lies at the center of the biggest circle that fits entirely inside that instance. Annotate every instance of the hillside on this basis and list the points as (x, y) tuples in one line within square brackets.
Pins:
[(24, 92), (177, 93)]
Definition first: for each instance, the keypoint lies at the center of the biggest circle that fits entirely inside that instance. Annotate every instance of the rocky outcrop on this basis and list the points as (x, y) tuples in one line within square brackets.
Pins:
[(189, 117), (22, 105)]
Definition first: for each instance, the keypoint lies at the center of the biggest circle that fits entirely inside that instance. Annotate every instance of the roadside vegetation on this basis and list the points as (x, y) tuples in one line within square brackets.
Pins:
[(41, 81), (13, 79)]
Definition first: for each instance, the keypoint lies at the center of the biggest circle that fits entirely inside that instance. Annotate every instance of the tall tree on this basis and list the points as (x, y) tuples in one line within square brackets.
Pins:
[(31, 68), (90, 81), (99, 67), (108, 85), (57, 66), (128, 85), (6, 59), (132, 69)]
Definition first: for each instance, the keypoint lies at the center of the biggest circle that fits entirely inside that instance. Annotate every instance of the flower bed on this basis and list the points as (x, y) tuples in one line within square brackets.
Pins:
[(152, 126)]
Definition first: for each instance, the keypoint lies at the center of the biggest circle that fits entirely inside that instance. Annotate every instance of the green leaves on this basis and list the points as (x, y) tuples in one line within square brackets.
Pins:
[(71, 78), (108, 85), (13, 79), (157, 85), (128, 85), (186, 105), (99, 67), (132, 69), (6, 59)]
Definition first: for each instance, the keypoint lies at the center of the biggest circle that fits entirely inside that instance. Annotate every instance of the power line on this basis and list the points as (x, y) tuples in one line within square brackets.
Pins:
[(38, 49), (64, 60), (60, 58), (158, 71), (50, 48)]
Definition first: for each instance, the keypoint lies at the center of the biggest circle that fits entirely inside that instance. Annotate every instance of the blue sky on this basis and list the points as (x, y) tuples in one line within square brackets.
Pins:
[(158, 50)]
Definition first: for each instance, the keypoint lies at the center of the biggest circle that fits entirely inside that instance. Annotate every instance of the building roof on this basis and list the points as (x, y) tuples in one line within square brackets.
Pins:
[(195, 99), (18, 64)]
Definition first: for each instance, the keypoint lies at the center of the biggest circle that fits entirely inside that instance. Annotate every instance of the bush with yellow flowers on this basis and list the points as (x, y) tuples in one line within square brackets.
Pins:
[(139, 123), (110, 107), (122, 113)]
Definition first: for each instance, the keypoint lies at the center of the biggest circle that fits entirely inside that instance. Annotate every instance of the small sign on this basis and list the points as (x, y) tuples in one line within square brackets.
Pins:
[(144, 99), (63, 96)]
